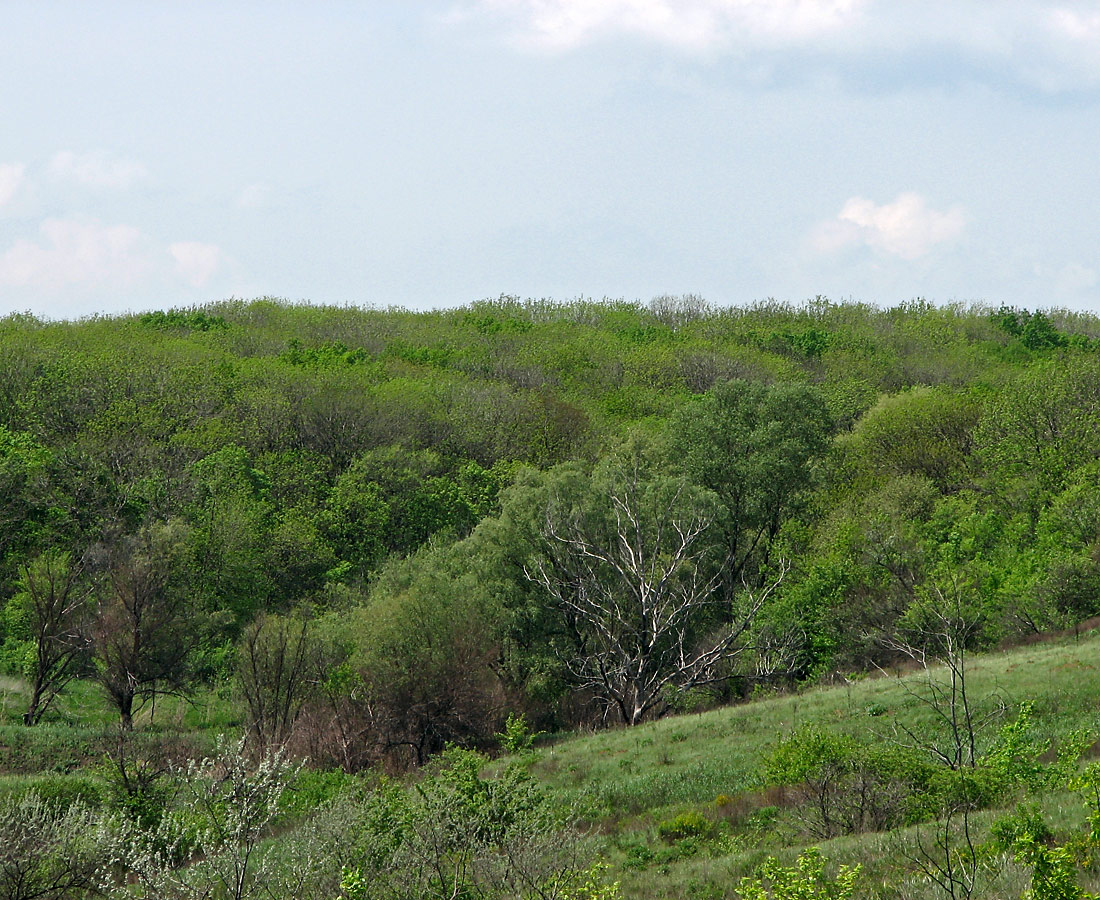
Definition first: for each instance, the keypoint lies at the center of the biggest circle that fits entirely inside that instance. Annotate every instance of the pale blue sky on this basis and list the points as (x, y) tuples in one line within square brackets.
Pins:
[(156, 154)]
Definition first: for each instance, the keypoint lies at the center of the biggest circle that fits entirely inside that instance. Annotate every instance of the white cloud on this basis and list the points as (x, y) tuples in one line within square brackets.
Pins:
[(1076, 25), (691, 24), (1075, 279), (11, 179), (1051, 47), (73, 252), (78, 255), (97, 170), (906, 228), (196, 262)]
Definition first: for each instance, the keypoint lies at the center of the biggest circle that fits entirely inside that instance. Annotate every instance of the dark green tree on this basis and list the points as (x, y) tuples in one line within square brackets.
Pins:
[(755, 447)]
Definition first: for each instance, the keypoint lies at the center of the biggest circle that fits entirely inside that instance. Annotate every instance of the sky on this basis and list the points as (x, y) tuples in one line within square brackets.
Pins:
[(431, 154)]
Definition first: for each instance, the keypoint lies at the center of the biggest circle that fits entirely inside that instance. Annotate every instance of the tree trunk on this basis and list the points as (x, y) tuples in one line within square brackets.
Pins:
[(126, 712), (33, 713)]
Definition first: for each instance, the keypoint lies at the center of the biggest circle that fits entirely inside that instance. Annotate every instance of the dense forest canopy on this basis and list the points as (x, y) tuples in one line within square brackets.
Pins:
[(442, 511)]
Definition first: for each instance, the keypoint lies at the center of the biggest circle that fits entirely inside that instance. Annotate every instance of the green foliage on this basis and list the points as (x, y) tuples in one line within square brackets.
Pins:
[(63, 791), (1015, 755), (517, 735), (846, 786), (689, 824), (592, 885), (925, 432), (458, 834), (189, 319), (1033, 329), (1087, 784), (327, 354), (754, 446), (49, 850), (805, 880)]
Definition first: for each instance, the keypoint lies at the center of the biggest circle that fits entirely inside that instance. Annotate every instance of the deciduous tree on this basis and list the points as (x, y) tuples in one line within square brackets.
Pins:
[(144, 630), (630, 559), (51, 609)]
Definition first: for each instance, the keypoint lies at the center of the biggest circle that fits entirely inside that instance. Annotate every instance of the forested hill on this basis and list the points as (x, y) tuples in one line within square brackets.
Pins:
[(442, 495)]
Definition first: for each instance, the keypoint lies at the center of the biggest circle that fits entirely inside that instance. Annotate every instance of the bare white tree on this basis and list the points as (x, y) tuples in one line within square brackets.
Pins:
[(632, 565)]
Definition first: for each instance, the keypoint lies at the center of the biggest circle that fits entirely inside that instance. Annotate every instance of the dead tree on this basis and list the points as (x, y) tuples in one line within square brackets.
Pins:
[(275, 669)]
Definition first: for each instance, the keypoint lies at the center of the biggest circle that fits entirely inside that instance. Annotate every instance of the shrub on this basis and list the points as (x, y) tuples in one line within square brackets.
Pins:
[(843, 786), (61, 792), (227, 805), (805, 880), (47, 850), (517, 735), (689, 824), (458, 834)]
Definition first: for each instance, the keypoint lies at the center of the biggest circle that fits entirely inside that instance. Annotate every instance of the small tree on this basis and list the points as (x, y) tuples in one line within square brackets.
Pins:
[(210, 845), (142, 633), (51, 611), (951, 860), (941, 625), (276, 661)]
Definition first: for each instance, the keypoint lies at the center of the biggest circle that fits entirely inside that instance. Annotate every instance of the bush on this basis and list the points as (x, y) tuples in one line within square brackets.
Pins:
[(458, 834), (844, 787), (46, 850), (312, 789), (686, 825), (61, 792), (805, 880), (517, 735)]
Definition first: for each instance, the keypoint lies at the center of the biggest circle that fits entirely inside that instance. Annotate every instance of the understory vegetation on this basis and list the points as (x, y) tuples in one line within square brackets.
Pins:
[(312, 602)]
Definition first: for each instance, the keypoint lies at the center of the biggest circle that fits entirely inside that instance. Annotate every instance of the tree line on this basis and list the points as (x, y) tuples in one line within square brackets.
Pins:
[(390, 529)]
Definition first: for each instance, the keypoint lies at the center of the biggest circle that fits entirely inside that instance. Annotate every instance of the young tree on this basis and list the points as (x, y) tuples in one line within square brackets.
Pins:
[(937, 632), (216, 835), (629, 558), (276, 661), (50, 611), (143, 634)]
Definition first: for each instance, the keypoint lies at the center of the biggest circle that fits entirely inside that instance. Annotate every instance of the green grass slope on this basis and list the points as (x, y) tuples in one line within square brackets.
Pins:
[(683, 809)]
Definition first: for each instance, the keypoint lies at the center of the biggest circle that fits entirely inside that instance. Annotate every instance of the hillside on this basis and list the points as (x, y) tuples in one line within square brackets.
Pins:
[(381, 540), (687, 806), (635, 783)]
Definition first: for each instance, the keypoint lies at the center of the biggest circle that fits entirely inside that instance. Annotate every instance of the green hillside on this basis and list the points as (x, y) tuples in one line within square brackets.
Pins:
[(634, 783), (707, 539)]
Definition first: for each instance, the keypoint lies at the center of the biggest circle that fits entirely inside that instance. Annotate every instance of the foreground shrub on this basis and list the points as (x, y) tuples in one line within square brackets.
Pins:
[(843, 786), (460, 835), (48, 851), (209, 844), (805, 880)]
